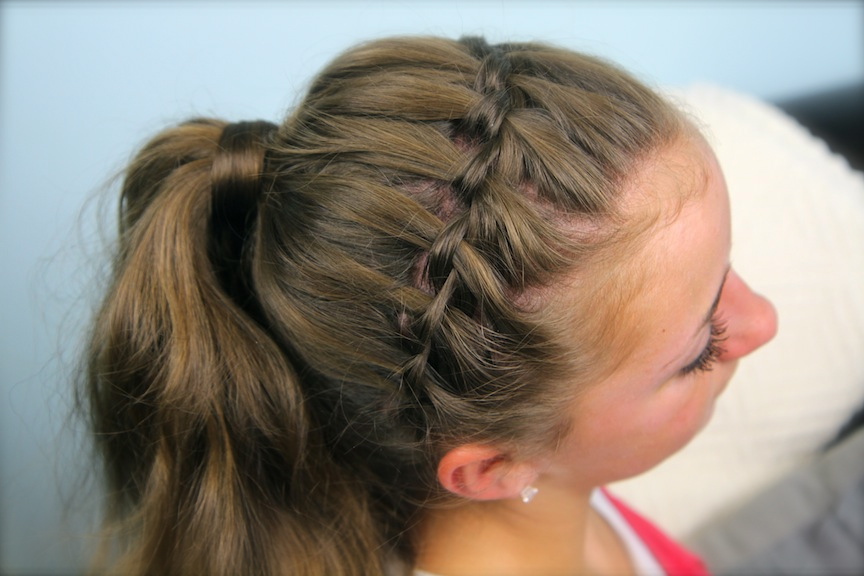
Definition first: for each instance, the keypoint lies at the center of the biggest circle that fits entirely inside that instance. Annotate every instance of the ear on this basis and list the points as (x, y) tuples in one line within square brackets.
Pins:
[(480, 472)]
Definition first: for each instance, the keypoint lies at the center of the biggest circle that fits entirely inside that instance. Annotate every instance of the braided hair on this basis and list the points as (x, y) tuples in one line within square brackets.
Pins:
[(305, 317)]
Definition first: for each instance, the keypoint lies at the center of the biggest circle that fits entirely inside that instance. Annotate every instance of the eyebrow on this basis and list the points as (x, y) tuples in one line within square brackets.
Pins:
[(716, 303)]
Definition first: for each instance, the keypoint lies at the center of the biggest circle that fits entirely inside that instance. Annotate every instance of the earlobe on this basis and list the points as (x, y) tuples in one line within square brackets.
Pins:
[(479, 472)]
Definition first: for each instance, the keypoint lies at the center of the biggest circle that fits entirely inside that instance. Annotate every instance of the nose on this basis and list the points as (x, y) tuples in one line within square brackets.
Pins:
[(751, 319)]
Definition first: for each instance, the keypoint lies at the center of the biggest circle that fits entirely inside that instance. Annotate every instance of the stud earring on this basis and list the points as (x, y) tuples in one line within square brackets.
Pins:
[(528, 493)]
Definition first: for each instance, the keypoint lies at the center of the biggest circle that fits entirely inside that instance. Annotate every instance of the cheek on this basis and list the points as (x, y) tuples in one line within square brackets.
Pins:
[(689, 404), (623, 438), (680, 409), (723, 375)]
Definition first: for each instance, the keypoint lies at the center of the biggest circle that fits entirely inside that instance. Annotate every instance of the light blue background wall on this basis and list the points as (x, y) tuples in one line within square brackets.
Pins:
[(81, 84)]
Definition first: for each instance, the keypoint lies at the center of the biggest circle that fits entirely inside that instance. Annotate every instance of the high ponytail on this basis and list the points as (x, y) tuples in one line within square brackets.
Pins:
[(196, 409)]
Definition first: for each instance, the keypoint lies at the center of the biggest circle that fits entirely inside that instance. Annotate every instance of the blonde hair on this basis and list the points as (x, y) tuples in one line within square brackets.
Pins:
[(304, 317)]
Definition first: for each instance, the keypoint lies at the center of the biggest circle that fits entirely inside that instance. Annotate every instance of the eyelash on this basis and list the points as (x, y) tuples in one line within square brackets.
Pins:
[(713, 350)]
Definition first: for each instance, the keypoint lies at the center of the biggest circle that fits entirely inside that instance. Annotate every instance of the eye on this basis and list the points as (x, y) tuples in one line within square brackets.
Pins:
[(713, 350)]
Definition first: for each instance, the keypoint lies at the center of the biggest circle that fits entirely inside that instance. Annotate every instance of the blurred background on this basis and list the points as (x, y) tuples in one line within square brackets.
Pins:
[(82, 84)]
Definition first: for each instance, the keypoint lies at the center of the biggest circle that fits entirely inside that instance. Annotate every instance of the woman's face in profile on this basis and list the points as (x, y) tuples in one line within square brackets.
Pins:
[(690, 322)]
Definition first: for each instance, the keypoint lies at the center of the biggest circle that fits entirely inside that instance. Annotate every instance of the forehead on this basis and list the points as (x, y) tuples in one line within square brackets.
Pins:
[(678, 199), (686, 252), (669, 179)]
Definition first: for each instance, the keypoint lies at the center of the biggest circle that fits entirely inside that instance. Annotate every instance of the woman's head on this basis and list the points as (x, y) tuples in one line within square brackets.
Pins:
[(444, 249)]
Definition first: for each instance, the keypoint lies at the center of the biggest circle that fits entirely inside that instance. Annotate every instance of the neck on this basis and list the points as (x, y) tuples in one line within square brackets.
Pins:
[(551, 535)]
